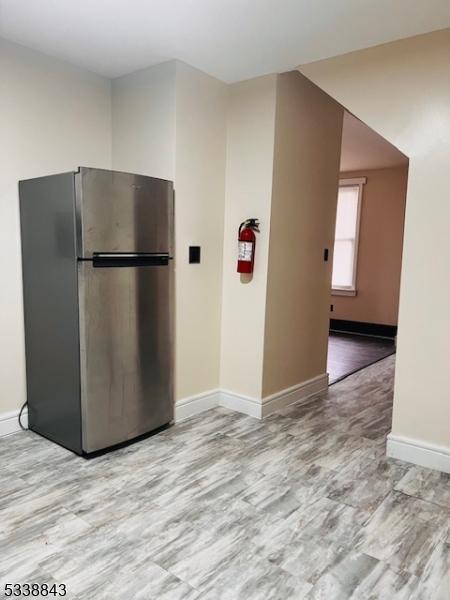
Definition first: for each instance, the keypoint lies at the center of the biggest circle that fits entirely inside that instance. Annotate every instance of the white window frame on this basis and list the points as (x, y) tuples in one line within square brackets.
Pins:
[(351, 290)]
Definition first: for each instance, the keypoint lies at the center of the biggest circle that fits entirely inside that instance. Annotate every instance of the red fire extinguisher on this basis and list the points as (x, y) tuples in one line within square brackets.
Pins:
[(246, 245)]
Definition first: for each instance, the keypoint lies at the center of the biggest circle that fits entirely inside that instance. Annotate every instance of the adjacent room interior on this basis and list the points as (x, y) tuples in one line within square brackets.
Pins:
[(367, 253)]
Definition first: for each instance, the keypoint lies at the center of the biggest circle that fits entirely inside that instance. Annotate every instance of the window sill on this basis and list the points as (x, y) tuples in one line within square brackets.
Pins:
[(336, 292)]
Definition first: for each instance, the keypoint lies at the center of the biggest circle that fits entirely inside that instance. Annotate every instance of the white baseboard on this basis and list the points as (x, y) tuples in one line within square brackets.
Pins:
[(239, 403), (300, 392), (418, 452), (255, 407), (193, 405), (9, 422), (402, 448)]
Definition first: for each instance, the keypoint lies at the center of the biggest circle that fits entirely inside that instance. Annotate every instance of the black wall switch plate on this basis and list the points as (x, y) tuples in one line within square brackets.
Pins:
[(194, 254), (325, 255)]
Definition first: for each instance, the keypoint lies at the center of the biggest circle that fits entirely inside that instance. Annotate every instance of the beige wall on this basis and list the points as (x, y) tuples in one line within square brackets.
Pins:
[(53, 118), (284, 133), (201, 105), (143, 121), (250, 147), (169, 121), (305, 179), (402, 90), (380, 249)]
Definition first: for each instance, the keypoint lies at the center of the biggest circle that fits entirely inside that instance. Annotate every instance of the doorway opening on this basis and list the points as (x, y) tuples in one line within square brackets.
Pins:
[(367, 250)]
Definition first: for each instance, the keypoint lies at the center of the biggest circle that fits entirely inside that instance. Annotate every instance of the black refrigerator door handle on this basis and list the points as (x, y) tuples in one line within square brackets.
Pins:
[(129, 259)]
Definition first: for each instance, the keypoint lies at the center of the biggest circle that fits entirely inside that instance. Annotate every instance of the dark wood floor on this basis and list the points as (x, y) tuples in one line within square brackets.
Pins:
[(348, 353)]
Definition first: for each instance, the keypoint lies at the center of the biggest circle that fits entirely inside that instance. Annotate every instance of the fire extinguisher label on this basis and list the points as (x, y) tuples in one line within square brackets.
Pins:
[(245, 251)]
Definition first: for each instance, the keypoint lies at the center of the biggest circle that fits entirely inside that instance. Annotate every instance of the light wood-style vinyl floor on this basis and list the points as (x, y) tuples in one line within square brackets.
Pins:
[(303, 504)]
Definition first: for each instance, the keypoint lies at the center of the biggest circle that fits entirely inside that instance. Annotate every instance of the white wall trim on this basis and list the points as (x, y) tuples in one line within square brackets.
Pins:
[(402, 448), (255, 407), (193, 405), (9, 422), (243, 404), (418, 452), (353, 181), (300, 392)]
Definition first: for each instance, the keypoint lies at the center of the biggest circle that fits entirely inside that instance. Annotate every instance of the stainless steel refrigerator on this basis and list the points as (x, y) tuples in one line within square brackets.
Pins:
[(97, 255)]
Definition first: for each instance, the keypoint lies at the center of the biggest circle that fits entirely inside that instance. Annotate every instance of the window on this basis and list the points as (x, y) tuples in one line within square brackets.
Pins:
[(346, 236)]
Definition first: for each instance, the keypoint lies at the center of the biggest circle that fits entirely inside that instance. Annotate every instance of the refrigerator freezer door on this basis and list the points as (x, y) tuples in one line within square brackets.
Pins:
[(121, 212), (126, 352)]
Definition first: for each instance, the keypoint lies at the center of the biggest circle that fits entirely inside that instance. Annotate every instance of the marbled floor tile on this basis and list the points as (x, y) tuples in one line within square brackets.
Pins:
[(426, 484), (142, 581), (365, 483), (208, 485), (36, 536), (152, 530), (272, 453), (278, 452), (248, 578), (333, 451), (155, 528), (340, 581), (124, 510), (105, 489), (197, 556), (361, 577), (371, 422), (171, 470), (204, 454), (278, 495), (248, 429), (282, 495), (226, 506), (435, 581), (29, 452), (11, 487), (35, 512), (403, 531), (200, 427), (323, 521), (90, 562), (106, 566), (226, 512), (57, 489), (219, 538), (373, 462), (310, 557), (329, 521), (311, 418)]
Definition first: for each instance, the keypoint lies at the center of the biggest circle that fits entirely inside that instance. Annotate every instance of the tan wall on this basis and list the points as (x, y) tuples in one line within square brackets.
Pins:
[(169, 121), (201, 105), (143, 121), (402, 90), (53, 118), (380, 249), (250, 146), (305, 179)]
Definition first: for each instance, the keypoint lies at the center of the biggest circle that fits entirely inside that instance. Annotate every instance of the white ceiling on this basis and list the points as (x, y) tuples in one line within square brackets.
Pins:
[(362, 148), (230, 39)]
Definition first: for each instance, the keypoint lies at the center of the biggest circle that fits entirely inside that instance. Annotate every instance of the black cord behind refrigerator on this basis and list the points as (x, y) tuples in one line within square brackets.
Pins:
[(20, 416)]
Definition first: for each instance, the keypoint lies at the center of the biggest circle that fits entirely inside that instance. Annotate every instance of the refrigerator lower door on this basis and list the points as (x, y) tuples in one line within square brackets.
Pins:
[(126, 353)]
